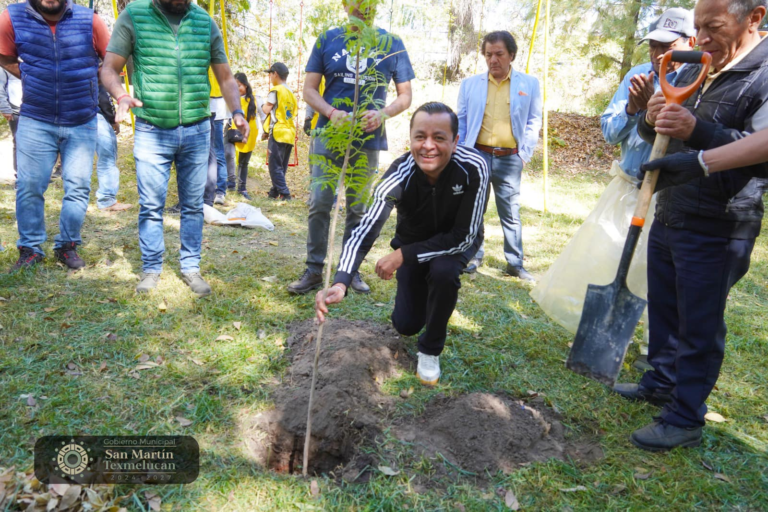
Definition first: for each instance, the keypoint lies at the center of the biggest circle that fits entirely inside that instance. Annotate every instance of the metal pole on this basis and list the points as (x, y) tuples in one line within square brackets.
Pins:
[(533, 38)]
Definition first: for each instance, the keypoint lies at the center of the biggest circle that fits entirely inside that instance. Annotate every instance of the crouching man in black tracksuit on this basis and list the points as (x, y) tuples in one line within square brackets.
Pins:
[(440, 190)]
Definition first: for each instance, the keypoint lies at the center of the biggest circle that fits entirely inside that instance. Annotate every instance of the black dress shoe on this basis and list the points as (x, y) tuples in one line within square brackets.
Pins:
[(520, 273), (641, 394), (358, 285), (660, 436), (473, 265)]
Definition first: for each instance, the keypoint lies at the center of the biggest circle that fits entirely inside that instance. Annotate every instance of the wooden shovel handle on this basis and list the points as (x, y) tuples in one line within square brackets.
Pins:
[(649, 182)]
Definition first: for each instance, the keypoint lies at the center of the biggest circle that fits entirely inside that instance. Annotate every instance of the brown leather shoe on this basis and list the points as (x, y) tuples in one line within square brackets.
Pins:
[(117, 207)]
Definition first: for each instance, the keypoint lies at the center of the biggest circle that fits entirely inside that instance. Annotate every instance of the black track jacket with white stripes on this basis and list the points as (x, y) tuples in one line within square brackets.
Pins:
[(432, 221)]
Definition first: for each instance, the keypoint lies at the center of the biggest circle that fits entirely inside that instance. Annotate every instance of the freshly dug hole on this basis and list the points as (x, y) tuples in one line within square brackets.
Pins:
[(482, 432), (476, 433), (357, 357)]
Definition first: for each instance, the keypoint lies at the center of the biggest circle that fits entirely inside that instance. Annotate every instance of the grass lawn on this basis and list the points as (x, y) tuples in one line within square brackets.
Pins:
[(70, 341)]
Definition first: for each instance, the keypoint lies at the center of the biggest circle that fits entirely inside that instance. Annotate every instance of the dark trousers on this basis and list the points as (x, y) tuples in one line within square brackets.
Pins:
[(279, 158), (689, 277), (243, 159), (14, 124), (426, 295)]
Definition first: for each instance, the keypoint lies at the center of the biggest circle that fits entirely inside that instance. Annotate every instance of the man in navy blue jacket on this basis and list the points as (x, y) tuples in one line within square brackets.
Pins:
[(440, 190)]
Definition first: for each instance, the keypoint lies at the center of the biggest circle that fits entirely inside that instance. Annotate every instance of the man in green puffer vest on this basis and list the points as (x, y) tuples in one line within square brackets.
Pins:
[(173, 42)]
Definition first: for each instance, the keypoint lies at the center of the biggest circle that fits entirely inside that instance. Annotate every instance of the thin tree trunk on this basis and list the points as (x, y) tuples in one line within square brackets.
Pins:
[(319, 337), (633, 15)]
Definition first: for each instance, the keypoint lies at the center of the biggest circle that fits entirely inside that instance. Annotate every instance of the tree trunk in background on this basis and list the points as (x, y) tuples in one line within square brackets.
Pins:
[(633, 16), (462, 34)]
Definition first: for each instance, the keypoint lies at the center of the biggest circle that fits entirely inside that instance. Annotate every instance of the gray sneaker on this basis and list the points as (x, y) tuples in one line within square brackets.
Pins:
[(219, 199), (196, 283), (147, 282)]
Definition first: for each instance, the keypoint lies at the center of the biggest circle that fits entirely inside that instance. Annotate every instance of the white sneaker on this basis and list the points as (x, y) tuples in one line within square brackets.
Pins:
[(219, 199), (428, 370)]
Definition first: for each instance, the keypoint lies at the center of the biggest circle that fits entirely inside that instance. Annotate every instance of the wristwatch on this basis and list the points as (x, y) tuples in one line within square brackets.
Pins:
[(238, 111)]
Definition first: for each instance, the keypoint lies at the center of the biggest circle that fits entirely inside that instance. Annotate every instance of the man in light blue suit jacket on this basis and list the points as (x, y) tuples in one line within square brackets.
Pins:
[(500, 115)]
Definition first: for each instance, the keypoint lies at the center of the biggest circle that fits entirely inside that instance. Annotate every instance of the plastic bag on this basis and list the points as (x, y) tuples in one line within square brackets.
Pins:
[(592, 256), (243, 215)]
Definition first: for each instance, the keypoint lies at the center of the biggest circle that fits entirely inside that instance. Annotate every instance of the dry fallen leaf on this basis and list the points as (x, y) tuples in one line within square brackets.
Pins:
[(766, 418), (154, 503), (574, 489), (379, 304), (618, 488), (722, 477), (31, 401), (314, 489), (704, 463), (58, 489), (184, 422), (51, 310), (270, 279), (405, 393), (143, 358), (714, 417), (197, 361), (237, 325), (225, 337), (273, 243), (146, 366), (70, 496), (511, 501), (643, 476), (388, 471), (71, 366), (103, 367), (163, 306)]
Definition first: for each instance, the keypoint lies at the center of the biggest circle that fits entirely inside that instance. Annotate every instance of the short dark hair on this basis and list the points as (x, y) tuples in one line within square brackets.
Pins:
[(435, 107), (503, 36)]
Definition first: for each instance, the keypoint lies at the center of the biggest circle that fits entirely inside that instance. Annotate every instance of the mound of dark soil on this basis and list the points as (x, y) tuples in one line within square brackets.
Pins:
[(475, 433), (481, 433)]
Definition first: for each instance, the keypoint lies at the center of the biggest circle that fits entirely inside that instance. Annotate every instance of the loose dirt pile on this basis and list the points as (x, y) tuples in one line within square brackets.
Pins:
[(475, 433)]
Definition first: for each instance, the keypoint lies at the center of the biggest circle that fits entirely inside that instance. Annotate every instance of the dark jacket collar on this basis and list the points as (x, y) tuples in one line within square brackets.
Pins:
[(755, 59)]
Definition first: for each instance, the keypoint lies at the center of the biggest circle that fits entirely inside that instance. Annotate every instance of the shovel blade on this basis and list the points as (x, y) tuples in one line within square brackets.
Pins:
[(607, 325)]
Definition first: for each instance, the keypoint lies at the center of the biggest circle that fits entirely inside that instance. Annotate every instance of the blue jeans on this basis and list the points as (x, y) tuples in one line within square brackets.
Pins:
[(106, 167), (506, 172), (154, 150), (689, 277), (221, 161), (321, 201), (38, 144)]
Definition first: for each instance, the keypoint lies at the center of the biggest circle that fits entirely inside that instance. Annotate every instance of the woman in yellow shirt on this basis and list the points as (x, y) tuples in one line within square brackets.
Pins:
[(245, 148)]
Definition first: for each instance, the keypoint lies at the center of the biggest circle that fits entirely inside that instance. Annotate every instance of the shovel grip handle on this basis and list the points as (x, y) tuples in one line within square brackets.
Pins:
[(680, 94)]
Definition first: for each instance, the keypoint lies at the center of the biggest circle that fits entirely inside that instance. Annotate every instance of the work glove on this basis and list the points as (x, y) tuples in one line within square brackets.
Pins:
[(674, 170), (308, 126)]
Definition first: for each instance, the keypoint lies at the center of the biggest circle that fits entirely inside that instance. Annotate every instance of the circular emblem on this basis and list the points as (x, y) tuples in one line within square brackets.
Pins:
[(72, 459)]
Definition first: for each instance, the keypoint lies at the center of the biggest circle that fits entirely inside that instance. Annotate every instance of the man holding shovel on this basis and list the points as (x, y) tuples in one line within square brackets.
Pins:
[(440, 190), (704, 231)]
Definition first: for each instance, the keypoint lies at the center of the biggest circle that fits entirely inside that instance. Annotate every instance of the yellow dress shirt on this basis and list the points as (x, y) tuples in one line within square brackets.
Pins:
[(496, 130)]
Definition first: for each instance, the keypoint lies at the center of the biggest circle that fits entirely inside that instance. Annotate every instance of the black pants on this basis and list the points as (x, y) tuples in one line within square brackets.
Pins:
[(689, 277), (279, 158), (242, 170), (426, 295), (14, 124)]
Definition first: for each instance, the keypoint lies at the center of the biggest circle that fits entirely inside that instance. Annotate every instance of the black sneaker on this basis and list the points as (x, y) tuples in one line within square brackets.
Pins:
[(358, 285), (306, 283), (245, 194), (67, 254), (27, 258), (285, 197), (173, 210), (272, 194)]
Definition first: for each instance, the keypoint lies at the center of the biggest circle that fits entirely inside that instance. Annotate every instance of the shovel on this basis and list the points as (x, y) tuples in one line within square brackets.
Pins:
[(611, 312)]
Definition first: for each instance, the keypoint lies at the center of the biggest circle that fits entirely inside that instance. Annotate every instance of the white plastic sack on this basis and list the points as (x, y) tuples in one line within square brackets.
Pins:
[(592, 256), (243, 215)]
